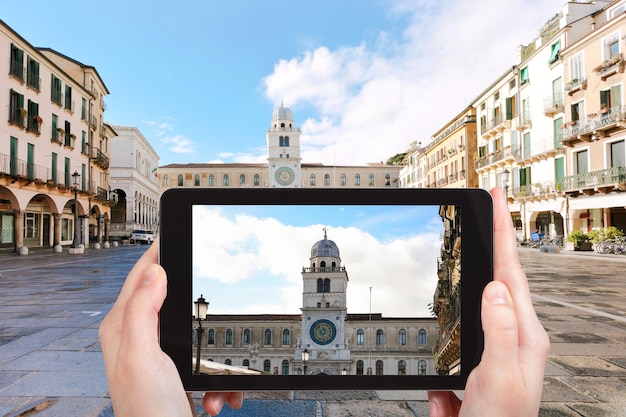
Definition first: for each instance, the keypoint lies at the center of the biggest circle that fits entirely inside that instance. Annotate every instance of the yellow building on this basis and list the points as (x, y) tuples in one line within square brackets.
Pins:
[(52, 142)]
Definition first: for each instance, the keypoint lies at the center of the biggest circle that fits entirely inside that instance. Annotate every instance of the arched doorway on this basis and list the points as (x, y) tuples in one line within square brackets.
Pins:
[(119, 215), (38, 221)]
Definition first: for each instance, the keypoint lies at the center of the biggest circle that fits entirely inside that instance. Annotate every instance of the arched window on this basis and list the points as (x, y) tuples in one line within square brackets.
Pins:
[(228, 362), (421, 368), (166, 180), (257, 180), (401, 367), (180, 180), (229, 336), (285, 367), (286, 337), (333, 264), (387, 179), (379, 367), (360, 337), (267, 365), (323, 264), (422, 337), (327, 285), (267, 337), (327, 180), (246, 337), (343, 180), (196, 180), (211, 337), (380, 337), (320, 285), (359, 367), (402, 337), (371, 180), (225, 180), (312, 180), (281, 141), (211, 180), (246, 362), (357, 179), (242, 179)]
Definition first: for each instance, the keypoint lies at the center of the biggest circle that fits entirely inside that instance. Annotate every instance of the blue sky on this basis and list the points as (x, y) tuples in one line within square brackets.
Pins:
[(200, 79), (248, 259)]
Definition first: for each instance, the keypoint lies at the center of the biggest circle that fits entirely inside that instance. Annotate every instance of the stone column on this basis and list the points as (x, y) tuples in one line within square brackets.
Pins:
[(56, 235), (18, 229), (107, 225)]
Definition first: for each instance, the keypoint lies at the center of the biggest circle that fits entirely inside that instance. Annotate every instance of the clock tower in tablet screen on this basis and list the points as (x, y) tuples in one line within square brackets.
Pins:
[(325, 281), (283, 150)]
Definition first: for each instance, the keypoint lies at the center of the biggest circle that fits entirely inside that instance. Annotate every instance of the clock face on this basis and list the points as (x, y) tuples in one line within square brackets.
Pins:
[(284, 175), (323, 332)]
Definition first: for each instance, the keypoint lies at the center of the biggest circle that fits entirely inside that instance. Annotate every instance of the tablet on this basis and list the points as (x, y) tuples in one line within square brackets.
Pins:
[(324, 289)]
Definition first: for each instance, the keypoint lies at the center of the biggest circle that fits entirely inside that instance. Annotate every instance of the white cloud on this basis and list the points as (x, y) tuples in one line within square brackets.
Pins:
[(178, 144), (253, 265), (403, 89)]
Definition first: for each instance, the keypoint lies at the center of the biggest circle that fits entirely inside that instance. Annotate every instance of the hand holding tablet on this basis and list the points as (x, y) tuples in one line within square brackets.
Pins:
[(137, 389)]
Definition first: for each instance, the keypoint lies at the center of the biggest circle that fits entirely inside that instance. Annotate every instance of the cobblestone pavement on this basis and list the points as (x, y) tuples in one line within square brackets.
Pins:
[(50, 361)]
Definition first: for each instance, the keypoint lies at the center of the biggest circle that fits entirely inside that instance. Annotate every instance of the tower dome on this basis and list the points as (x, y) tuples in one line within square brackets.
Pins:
[(325, 247), (282, 113)]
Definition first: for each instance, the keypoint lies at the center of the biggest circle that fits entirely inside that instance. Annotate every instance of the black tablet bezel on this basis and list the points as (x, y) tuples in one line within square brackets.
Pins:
[(175, 255)]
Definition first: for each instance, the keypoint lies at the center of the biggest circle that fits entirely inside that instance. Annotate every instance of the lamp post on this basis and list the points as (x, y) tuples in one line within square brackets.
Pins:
[(505, 181), (305, 358), (75, 179), (344, 371), (201, 309)]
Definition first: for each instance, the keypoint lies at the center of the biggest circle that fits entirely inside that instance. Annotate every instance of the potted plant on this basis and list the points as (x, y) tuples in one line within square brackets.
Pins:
[(581, 241)]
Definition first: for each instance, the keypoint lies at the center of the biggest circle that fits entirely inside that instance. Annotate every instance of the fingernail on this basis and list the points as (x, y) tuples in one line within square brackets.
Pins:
[(496, 294)]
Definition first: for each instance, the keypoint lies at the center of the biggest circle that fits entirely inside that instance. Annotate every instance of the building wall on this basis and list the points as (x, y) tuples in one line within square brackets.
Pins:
[(45, 137), (134, 165)]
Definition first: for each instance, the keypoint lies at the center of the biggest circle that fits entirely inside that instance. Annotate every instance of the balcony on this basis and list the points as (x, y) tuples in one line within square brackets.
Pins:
[(525, 121), (575, 85), (99, 158), (21, 170), (547, 148), (493, 126), (610, 67), (603, 181), (537, 191), (553, 104), (324, 269), (102, 195), (502, 157), (594, 126)]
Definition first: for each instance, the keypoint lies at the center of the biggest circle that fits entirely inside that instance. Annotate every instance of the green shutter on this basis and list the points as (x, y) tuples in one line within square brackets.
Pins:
[(509, 108), (13, 159), (522, 177), (559, 169), (30, 162), (54, 168)]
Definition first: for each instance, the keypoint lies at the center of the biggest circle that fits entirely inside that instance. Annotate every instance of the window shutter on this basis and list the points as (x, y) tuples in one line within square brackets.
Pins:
[(509, 108), (616, 101)]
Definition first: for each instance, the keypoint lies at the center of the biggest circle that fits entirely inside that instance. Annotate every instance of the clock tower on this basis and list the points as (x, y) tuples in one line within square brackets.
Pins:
[(283, 150), (324, 311)]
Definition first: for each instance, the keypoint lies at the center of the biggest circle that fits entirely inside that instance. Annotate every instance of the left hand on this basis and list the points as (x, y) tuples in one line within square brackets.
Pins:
[(142, 378)]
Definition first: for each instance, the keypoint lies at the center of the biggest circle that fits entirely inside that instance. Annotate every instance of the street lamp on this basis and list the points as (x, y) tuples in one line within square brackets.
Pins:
[(201, 309), (75, 179), (344, 371), (305, 358), (505, 180)]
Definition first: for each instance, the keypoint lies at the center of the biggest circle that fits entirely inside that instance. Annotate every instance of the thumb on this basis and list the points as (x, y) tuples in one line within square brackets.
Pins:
[(500, 327), (141, 313)]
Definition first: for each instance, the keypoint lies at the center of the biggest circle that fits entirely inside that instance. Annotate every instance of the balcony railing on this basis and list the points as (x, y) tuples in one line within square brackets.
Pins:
[(553, 104), (325, 269), (99, 158), (600, 178), (587, 126), (547, 147), (537, 190), (507, 153), (575, 85), (21, 169)]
